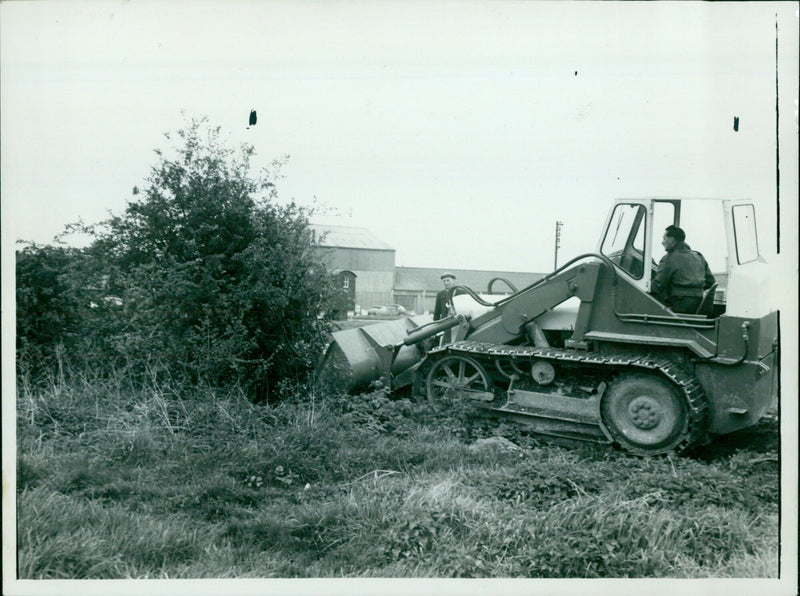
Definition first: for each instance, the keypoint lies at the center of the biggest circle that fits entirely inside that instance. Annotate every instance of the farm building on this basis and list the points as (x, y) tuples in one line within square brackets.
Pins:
[(365, 268), (363, 263)]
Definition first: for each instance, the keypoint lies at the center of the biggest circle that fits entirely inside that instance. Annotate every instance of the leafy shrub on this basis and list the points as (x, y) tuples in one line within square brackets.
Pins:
[(204, 277), (48, 309)]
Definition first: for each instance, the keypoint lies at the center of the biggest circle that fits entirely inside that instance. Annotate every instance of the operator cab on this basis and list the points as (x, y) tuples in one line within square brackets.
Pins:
[(724, 231)]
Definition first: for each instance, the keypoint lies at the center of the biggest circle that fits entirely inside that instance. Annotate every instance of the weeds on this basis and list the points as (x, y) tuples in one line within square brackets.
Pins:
[(161, 481)]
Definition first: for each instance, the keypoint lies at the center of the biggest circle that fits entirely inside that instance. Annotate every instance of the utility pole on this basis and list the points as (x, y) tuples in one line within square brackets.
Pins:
[(558, 238)]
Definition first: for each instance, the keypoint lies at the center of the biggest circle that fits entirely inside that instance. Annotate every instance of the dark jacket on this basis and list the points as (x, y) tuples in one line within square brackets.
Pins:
[(682, 272), (444, 300), (441, 306)]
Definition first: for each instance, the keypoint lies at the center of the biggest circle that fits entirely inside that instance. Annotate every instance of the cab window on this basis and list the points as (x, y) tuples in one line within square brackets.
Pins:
[(744, 230), (624, 239), (704, 224), (663, 216)]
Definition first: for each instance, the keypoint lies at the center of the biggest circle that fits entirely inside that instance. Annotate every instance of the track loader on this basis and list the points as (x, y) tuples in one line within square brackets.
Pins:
[(586, 352)]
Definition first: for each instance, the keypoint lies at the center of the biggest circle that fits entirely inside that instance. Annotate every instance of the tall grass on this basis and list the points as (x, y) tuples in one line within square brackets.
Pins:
[(160, 480)]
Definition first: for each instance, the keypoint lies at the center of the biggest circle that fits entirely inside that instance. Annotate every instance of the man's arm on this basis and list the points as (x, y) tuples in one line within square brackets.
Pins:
[(438, 307), (660, 284)]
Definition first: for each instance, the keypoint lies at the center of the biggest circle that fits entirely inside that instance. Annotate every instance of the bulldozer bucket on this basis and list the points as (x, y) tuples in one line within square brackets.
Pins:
[(358, 357)]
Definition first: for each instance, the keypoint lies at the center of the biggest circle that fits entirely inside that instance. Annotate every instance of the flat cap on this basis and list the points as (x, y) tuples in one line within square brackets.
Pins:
[(447, 274)]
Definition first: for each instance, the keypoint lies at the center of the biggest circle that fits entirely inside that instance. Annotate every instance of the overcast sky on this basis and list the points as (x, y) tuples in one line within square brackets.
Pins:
[(457, 132)]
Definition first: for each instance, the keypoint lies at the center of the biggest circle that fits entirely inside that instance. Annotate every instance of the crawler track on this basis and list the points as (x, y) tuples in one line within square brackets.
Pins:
[(608, 369)]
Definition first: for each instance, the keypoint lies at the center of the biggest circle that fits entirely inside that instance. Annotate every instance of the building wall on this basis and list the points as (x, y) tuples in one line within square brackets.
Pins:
[(417, 301), (373, 288), (374, 271), (358, 259)]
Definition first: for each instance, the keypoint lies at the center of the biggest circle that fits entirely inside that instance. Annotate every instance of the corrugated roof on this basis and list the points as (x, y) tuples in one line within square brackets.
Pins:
[(424, 278), (348, 237)]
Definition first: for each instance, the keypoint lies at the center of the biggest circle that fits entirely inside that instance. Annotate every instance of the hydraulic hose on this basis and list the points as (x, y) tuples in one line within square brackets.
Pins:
[(738, 361), (474, 296), (490, 287), (541, 280), (605, 260)]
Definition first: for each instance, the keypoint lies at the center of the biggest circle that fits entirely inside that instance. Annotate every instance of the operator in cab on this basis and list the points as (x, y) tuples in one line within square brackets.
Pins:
[(683, 274)]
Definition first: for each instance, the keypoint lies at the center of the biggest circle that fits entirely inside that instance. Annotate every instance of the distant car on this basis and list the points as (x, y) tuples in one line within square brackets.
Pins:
[(392, 310)]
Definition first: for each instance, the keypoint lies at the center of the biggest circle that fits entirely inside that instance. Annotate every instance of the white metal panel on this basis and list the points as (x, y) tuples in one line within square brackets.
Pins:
[(750, 292)]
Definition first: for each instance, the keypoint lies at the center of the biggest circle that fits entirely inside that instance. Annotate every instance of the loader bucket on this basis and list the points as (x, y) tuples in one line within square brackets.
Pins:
[(358, 357)]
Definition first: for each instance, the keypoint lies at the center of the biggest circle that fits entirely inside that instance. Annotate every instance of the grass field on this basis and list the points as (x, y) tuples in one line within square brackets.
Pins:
[(150, 482)]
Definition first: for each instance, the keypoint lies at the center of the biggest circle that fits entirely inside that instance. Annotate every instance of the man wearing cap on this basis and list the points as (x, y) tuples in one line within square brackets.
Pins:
[(682, 275), (443, 299)]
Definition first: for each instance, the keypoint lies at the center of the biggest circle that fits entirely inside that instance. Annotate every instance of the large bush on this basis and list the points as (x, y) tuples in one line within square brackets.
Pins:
[(48, 309), (204, 276)]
